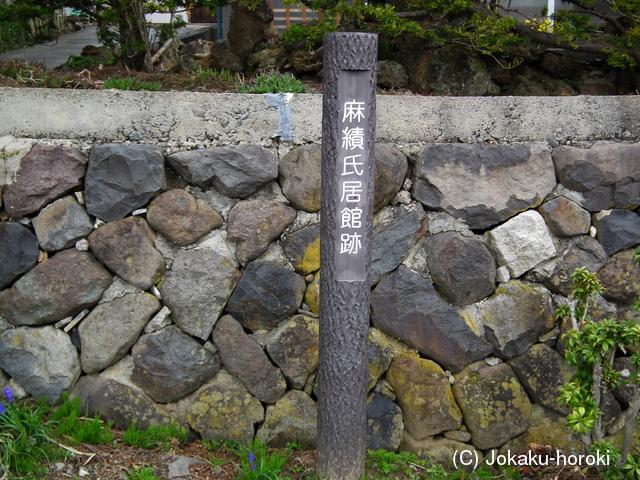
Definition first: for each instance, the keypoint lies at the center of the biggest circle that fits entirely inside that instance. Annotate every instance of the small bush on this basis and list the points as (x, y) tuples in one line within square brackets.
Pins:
[(25, 438), (273, 82), (132, 83)]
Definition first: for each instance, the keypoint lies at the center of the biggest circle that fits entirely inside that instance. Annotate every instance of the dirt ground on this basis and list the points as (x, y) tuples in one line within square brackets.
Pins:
[(117, 461), (15, 74)]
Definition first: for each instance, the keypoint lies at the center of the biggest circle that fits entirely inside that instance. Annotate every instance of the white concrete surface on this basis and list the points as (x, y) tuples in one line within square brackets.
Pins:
[(190, 119)]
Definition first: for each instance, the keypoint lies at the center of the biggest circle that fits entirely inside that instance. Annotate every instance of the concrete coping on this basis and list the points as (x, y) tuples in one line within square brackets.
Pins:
[(191, 119)]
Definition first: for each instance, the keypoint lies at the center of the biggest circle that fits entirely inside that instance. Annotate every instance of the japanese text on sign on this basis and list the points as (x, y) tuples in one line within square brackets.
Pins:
[(352, 170)]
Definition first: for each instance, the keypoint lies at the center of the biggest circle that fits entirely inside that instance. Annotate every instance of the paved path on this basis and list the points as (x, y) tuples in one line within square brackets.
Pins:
[(55, 53)]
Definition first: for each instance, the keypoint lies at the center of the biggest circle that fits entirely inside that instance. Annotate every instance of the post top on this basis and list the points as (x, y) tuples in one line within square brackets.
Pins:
[(352, 50)]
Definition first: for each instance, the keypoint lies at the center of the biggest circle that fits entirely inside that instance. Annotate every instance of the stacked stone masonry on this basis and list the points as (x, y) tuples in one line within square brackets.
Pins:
[(160, 285)]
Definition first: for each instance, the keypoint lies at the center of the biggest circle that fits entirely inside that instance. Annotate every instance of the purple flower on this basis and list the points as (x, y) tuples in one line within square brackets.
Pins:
[(2, 409), (252, 459), (8, 394)]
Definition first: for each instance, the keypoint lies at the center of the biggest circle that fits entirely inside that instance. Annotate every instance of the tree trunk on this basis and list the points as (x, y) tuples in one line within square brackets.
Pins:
[(134, 35)]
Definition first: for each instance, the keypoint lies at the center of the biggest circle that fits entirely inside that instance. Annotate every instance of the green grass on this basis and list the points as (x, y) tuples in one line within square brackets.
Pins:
[(273, 82), (207, 75), (75, 428), (26, 438), (141, 473), (131, 83), (155, 436), (257, 462)]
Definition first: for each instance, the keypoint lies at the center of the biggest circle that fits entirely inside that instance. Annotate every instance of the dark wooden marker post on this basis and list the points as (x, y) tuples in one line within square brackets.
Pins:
[(348, 136)]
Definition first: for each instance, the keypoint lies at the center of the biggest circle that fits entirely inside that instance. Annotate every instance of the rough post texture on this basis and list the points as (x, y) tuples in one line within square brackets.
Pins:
[(344, 307)]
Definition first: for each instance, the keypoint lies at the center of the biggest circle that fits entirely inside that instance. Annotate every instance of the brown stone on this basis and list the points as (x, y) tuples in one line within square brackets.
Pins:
[(62, 286), (181, 217), (126, 247), (47, 172), (254, 224)]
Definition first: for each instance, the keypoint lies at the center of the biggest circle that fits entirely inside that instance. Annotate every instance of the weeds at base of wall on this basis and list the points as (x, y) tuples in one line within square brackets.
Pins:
[(221, 459)]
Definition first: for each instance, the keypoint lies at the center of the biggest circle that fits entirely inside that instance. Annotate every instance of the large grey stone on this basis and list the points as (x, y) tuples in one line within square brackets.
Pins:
[(126, 247), (254, 224), (47, 172), (439, 450), (198, 288), (513, 317), (521, 243), (393, 238), (462, 268), (391, 74), (300, 172), (617, 229), (583, 252), (245, 359), (495, 406), (302, 247), (121, 404), (181, 217), (291, 419), (542, 371), (121, 178), (42, 360), (549, 428), (424, 395), (265, 295), (293, 346), (109, 331), (498, 181), (66, 284), (565, 218), (384, 424), (406, 306), (248, 27), (382, 350), (300, 177), (236, 171), (61, 224), (620, 278), (607, 173), (169, 365), (18, 251), (223, 409), (389, 171), (452, 71)]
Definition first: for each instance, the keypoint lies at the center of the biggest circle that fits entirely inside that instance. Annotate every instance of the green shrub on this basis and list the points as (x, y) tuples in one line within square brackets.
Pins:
[(273, 82), (591, 346), (311, 34), (25, 438), (131, 83)]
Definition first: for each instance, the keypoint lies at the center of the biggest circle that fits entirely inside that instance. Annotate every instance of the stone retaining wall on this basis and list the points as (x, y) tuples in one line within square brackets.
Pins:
[(159, 282)]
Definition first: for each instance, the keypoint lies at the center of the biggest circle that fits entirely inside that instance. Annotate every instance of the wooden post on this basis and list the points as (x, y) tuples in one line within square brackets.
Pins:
[(348, 137)]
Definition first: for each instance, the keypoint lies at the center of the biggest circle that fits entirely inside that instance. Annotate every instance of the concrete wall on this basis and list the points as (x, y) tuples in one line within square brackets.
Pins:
[(184, 120)]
